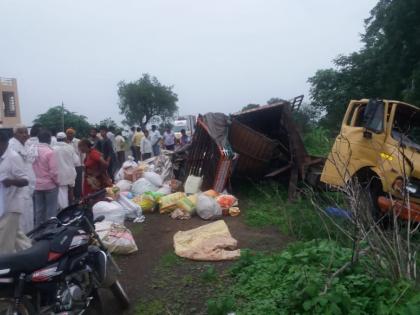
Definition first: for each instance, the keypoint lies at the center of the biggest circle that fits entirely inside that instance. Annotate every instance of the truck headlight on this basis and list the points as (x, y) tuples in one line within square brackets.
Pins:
[(412, 188)]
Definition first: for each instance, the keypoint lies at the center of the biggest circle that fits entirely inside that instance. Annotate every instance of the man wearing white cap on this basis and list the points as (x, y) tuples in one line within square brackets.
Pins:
[(67, 159)]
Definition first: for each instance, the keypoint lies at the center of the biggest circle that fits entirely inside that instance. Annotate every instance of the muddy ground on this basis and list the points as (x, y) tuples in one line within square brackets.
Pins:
[(159, 282)]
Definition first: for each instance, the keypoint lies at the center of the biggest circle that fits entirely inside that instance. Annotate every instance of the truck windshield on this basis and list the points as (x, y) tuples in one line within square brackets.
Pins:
[(406, 128)]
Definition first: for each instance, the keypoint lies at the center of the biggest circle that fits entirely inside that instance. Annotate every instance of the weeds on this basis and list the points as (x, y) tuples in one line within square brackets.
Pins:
[(169, 260), (293, 282), (318, 141), (268, 205), (210, 274)]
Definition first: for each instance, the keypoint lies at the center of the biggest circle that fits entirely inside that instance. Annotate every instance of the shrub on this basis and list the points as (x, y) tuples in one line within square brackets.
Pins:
[(295, 282)]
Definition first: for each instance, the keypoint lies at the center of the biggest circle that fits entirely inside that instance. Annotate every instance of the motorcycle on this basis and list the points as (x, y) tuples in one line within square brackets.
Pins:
[(62, 272)]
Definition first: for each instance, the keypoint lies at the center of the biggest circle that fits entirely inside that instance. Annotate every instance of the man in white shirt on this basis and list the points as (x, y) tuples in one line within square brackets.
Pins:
[(169, 139), (111, 136), (31, 144), (12, 180), (73, 141), (120, 148), (155, 138), (17, 144), (145, 146), (67, 160)]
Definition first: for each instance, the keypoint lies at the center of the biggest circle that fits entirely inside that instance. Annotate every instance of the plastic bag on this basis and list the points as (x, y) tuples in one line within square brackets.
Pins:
[(208, 208), (176, 185), (179, 214), (193, 184), (146, 201), (226, 201), (154, 178), (186, 205), (117, 238), (211, 193), (112, 211), (141, 186), (132, 209), (168, 203), (130, 163), (164, 190), (124, 185)]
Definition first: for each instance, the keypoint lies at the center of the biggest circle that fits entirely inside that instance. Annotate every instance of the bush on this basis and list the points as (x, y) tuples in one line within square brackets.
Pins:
[(294, 282), (267, 205), (318, 141)]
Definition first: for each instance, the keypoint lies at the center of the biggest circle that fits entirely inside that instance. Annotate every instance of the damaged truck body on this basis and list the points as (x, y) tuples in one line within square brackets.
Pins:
[(258, 143)]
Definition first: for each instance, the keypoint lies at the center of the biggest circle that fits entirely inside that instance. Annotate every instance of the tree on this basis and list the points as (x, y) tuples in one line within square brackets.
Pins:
[(145, 98), (250, 106), (109, 123), (387, 66), (274, 100), (52, 119)]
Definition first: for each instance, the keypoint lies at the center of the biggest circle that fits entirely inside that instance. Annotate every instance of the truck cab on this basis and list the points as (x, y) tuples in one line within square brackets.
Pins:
[(379, 141)]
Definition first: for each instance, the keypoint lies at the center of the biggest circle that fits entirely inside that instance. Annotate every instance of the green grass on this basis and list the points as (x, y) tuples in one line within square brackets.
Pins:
[(153, 307), (295, 282), (169, 260), (268, 205), (318, 141), (210, 274)]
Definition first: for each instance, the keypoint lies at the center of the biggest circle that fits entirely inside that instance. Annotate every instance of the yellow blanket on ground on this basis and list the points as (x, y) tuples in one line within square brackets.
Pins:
[(210, 242)]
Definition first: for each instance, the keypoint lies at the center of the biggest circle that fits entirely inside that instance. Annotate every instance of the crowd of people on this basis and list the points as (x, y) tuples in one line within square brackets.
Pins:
[(41, 172)]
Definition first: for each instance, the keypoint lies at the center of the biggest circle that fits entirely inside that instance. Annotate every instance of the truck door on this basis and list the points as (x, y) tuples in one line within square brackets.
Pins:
[(358, 144)]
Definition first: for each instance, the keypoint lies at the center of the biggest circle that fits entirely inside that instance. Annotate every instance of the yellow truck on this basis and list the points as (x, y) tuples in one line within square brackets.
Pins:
[(379, 144)]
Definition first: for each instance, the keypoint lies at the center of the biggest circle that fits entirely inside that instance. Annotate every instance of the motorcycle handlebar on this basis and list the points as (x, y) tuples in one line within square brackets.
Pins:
[(94, 195)]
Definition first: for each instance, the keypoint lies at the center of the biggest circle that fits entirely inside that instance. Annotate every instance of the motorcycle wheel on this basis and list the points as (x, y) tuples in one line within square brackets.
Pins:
[(25, 308), (119, 293)]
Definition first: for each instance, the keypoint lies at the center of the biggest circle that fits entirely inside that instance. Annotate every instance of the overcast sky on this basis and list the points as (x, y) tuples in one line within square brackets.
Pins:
[(218, 54)]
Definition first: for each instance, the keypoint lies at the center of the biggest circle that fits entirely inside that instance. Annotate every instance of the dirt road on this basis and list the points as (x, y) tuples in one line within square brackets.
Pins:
[(158, 282)]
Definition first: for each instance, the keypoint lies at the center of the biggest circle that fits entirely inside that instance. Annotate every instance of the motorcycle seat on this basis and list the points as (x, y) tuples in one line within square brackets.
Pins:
[(27, 260)]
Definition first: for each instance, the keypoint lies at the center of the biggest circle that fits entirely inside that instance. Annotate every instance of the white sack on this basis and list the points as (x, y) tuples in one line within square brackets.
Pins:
[(208, 208), (112, 211), (141, 186), (117, 238)]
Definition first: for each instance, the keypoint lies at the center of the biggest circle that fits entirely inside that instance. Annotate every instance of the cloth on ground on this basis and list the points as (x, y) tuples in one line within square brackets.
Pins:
[(210, 242)]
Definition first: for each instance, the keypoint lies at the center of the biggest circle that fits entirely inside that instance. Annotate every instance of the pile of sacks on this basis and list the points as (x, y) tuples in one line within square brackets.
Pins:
[(112, 231)]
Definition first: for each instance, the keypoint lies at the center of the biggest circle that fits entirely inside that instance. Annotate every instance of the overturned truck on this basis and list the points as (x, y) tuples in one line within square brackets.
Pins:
[(259, 143)]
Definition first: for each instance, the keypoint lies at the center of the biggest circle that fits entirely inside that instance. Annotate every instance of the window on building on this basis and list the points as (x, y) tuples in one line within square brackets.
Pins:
[(9, 102)]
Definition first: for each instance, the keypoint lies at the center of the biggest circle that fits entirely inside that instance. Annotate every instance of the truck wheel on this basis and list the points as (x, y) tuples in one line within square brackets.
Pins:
[(370, 189)]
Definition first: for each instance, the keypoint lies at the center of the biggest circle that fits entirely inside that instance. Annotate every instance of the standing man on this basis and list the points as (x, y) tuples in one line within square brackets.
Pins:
[(155, 138), (108, 151), (67, 161), (169, 139), (184, 138), (111, 136), (46, 174), (94, 139), (31, 144), (146, 146), (120, 147), (130, 141), (12, 180), (74, 142), (17, 144), (136, 143)]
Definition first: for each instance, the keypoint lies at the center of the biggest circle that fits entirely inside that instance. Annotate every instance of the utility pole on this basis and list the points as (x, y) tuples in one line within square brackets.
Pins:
[(62, 116)]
